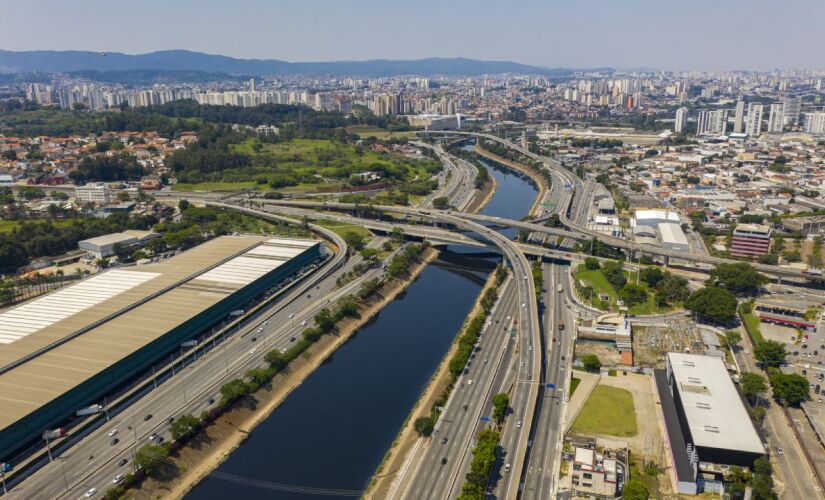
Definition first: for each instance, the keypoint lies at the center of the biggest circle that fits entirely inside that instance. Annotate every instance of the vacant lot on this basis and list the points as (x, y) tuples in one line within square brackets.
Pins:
[(341, 228), (608, 411), (379, 133)]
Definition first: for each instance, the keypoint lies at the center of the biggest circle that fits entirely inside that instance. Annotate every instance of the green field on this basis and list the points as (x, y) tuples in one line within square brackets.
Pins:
[(609, 411), (596, 280), (213, 186), (752, 326), (7, 225)]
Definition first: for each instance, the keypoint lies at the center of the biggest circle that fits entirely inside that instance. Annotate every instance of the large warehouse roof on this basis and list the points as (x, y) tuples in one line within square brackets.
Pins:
[(54, 343), (714, 411)]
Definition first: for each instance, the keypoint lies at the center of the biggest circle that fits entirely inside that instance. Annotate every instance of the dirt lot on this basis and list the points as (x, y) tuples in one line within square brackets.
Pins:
[(651, 343), (606, 351)]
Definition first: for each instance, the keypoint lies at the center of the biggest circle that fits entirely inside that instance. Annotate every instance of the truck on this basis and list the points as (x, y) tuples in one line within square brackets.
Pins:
[(54, 433), (559, 288), (561, 325), (91, 410)]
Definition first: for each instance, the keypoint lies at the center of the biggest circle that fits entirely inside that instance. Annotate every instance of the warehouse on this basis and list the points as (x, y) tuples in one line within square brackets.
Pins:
[(104, 246), (67, 349), (706, 421)]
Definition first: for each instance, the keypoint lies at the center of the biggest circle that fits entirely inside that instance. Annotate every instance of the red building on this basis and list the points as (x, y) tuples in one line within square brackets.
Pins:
[(750, 241)]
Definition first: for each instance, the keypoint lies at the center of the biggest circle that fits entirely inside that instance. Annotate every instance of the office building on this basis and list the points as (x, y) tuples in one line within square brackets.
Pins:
[(750, 241), (681, 120), (97, 193), (706, 422), (776, 118), (67, 349), (739, 117), (753, 127)]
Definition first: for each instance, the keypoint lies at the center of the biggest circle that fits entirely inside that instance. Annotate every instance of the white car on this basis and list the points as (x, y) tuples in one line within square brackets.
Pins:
[(253, 350), (518, 424), (470, 382), (112, 432), (90, 493), (523, 304), (117, 479), (304, 323)]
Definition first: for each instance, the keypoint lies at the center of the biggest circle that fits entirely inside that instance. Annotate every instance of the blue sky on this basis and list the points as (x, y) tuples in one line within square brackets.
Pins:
[(669, 34)]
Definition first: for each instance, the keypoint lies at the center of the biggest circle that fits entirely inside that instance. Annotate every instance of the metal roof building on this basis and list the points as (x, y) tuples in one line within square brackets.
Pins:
[(67, 348)]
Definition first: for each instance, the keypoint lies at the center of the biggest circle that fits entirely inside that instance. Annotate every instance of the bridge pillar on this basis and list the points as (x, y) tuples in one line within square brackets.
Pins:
[(667, 260)]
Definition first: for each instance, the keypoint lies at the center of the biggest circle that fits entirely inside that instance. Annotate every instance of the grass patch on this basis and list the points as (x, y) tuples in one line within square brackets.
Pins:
[(608, 410), (596, 279), (341, 228), (377, 132), (751, 323), (574, 383), (6, 226), (649, 477)]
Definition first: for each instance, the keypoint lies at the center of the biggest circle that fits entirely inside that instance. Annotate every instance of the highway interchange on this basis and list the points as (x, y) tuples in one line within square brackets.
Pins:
[(533, 367)]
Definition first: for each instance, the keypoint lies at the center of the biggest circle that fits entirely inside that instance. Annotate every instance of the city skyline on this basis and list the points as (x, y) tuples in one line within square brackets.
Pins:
[(531, 32)]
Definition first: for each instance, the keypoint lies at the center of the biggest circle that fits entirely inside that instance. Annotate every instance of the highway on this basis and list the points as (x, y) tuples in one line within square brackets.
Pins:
[(460, 420), (460, 186), (542, 466)]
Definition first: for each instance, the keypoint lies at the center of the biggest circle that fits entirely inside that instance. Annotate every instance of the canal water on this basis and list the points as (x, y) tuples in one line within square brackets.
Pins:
[(331, 433)]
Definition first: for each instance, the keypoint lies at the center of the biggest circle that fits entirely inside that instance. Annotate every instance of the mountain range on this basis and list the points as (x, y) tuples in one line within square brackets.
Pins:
[(52, 61)]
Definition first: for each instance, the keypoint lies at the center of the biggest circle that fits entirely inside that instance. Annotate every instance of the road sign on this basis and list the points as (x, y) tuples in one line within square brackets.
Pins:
[(550, 386), (189, 343), (485, 419)]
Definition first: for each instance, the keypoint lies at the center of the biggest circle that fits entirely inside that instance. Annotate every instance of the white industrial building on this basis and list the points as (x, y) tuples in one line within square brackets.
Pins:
[(435, 122), (97, 193), (104, 246), (659, 227)]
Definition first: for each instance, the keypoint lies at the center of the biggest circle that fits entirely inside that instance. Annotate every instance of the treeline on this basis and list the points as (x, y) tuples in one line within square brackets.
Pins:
[(472, 157), (510, 154), (578, 142), (30, 240), (107, 169), (484, 457)]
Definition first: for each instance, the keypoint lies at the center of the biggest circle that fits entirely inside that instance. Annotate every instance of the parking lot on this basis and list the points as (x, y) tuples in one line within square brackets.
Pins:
[(807, 358)]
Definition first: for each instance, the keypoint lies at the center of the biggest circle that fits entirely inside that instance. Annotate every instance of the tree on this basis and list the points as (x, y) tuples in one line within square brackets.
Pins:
[(122, 196), (150, 456), (790, 388), (770, 353), (714, 303), (233, 390), (635, 490), (184, 426), (753, 385), (346, 306), (370, 254), (671, 289), (501, 402), (632, 294), (614, 273), (424, 426), (741, 278), (591, 263), (652, 276), (591, 362), (325, 320), (354, 240), (732, 337), (183, 204), (275, 359), (397, 234), (441, 203), (762, 480)]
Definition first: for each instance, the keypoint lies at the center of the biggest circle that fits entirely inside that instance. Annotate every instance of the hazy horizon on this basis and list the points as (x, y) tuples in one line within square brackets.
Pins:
[(701, 35)]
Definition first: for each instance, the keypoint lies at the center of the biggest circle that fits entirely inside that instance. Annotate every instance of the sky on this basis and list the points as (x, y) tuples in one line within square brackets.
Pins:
[(663, 34)]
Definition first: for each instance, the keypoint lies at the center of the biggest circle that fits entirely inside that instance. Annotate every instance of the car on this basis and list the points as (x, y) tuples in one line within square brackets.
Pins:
[(304, 323), (117, 479), (530, 348), (253, 350), (779, 451), (90, 492), (170, 419), (470, 382), (796, 353), (260, 330), (292, 339), (158, 439), (485, 360), (522, 364), (153, 436), (114, 441), (804, 372), (112, 432), (518, 424), (147, 417), (254, 339), (804, 346), (523, 304), (211, 401), (444, 440), (443, 460), (123, 461), (506, 467)]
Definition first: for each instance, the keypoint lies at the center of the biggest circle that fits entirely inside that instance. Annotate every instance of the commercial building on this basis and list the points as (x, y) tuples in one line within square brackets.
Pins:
[(672, 237), (706, 421), (97, 193), (67, 349), (661, 227), (750, 241), (594, 474), (104, 246)]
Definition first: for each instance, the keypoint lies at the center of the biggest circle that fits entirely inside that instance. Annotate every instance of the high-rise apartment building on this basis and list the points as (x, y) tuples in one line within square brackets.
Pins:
[(681, 120), (754, 123), (712, 122), (792, 110), (739, 117), (776, 118), (815, 123)]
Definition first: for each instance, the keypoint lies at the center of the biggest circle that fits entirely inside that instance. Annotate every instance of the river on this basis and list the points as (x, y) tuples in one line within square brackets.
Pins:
[(332, 431)]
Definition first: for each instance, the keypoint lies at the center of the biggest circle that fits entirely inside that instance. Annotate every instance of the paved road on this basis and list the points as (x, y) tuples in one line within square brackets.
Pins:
[(458, 424), (540, 475)]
